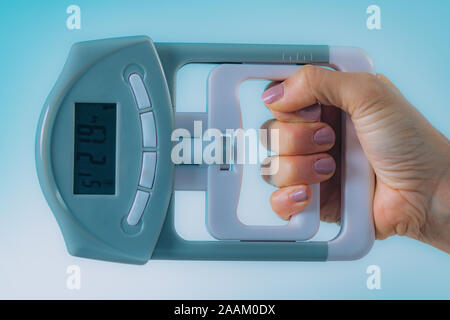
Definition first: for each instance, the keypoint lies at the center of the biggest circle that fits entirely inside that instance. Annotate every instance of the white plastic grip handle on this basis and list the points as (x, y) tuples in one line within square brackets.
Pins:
[(224, 113)]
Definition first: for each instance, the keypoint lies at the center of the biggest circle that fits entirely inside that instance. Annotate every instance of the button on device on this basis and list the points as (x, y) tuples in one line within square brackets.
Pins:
[(148, 129), (139, 91), (148, 169), (138, 207)]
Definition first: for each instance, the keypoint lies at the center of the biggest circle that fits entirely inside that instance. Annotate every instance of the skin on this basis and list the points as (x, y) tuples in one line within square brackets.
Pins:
[(410, 158)]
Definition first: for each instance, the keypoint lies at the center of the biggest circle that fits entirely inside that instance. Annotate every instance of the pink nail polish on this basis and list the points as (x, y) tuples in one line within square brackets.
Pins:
[(273, 94), (299, 195), (324, 136), (311, 113), (325, 166)]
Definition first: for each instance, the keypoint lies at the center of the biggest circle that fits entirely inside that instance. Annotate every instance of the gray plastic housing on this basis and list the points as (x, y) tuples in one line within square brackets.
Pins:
[(94, 226)]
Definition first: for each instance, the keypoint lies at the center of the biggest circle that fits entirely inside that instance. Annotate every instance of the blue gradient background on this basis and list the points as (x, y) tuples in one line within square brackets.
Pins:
[(412, 49)]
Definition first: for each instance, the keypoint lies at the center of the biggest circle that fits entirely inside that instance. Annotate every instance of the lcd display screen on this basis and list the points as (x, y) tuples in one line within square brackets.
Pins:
[(95, 148)]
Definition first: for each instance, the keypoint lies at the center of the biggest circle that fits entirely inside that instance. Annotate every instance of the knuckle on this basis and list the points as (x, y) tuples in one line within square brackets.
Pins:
[(373, 87), (308, 75)]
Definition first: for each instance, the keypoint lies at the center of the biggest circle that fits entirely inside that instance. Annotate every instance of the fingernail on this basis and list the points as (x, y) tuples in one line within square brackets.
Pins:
[(325, 166), (299, 195), (311, 113), (267, 178), (324, 136), (266, 164), (273, 94), (266, 131)]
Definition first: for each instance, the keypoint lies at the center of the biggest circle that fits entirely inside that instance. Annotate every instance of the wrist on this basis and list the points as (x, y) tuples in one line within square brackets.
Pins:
[(436, 230)]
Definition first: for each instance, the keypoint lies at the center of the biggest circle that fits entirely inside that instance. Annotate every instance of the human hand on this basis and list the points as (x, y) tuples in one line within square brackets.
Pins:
[(410, 158)]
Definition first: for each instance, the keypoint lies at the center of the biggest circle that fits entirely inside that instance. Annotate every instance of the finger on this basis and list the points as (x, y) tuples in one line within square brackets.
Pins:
[(349, 91), (330, 190), (330, 200), (295, 170), (289, 201), (297, 138)]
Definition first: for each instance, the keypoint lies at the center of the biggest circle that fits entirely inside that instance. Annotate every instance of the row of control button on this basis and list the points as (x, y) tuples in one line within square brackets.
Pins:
[(148, 169)]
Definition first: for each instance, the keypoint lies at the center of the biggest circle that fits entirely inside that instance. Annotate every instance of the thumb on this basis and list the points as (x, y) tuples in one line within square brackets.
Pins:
[(353, 92)]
